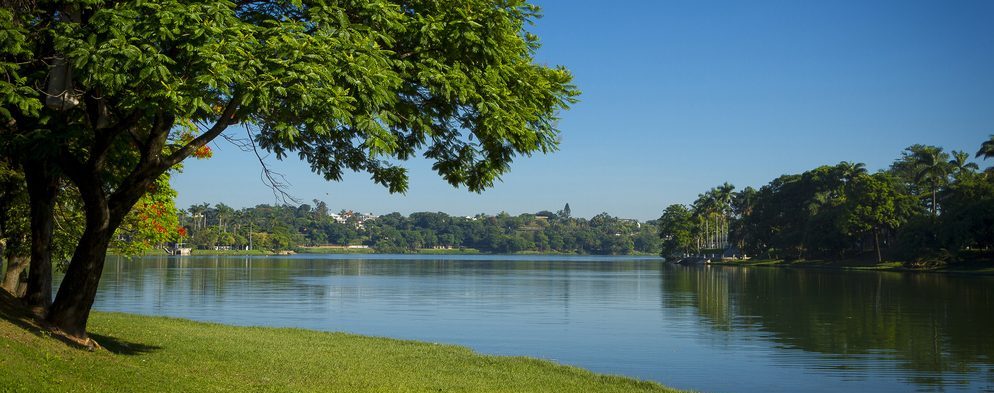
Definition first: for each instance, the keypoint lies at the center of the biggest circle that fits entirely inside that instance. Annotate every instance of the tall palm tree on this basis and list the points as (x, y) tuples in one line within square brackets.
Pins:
[(987, 149), (223, 212), (723, 195), (704, 208), (959, 164), (931, 168)]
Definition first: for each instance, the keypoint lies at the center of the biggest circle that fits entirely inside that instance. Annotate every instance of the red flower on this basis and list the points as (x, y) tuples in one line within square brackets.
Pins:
[(203, 152)]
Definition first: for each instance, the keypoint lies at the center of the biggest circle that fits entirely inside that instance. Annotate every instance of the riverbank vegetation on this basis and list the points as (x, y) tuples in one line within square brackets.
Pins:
[(930, 208), (307, 227), (173, 355)]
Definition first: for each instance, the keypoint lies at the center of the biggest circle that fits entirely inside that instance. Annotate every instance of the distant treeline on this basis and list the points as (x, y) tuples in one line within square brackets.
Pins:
[(289, 227), (929, 207)]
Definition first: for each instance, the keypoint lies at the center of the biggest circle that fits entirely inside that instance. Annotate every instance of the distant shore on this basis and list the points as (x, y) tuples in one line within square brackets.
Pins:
[(370, 251)]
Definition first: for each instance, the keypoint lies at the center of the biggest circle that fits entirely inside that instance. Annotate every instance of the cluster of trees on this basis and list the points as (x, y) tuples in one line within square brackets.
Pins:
[(152, 222), (111, 96), (930, 206), (287, 227)]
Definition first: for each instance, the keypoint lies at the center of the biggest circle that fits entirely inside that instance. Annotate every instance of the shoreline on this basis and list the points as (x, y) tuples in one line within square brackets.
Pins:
[(964, 268), (140, 352), (370, 251)]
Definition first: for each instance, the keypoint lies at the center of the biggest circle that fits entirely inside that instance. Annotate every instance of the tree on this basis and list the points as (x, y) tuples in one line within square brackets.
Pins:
[(927, 167), (960, 164), (676, 230), (986, 149), (152, 222), (874, 205), (723, 198), (112, 96), (14, 229), (565, 214)]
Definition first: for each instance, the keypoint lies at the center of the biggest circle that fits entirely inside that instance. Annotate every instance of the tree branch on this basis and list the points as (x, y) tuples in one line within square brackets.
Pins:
[(272, 179), (105, 138), (223, 121)]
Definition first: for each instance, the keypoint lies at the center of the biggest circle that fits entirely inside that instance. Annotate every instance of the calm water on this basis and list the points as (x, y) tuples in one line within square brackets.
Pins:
[(703, 328)]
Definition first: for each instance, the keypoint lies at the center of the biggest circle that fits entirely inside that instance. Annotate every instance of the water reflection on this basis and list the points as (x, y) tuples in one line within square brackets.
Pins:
[(931, 327), (704, 328)]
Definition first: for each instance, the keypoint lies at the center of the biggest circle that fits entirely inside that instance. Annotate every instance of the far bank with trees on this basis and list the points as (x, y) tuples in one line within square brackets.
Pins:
[(313, 227), (930, 208)]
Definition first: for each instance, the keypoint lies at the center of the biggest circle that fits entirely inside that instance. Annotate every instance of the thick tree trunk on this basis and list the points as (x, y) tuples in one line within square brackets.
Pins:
[(71, 308), (43, 189), (12, 276)]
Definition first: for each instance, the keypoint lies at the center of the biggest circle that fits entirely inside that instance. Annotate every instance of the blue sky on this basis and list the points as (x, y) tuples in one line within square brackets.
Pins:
[(680, 96)]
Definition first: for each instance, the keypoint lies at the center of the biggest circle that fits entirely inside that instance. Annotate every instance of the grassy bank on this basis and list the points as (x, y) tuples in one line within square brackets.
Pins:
[(335, 250), (426, 251), (162, 354)]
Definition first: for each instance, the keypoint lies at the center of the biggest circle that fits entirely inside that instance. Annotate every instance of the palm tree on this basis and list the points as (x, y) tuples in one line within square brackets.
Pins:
[(223, 211), (959, 164), (987, 149), (704, 207), (852, 170), (931, 168), (723, 195)]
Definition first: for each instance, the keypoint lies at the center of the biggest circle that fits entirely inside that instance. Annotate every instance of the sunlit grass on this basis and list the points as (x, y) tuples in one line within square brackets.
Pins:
[(145, 353)]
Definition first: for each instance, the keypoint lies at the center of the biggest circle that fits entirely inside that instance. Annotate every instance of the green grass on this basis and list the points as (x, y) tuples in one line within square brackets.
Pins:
[(425, 251), (330, 250), (454, 251), (144, 353)]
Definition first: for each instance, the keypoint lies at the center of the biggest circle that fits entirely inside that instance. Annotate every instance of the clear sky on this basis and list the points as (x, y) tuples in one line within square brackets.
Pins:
[(680, 96)]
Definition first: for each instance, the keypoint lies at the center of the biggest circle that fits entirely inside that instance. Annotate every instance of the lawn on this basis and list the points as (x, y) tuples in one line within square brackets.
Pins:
[(143, 353)]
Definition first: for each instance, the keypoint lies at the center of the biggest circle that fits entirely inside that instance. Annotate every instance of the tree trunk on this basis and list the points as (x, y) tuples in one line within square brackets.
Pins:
[(876, 245), (71, 308), (43, 189), (12, 277), (934, 208)]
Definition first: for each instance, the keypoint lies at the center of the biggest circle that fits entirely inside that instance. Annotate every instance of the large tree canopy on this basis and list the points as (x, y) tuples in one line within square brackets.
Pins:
[(117, 93)]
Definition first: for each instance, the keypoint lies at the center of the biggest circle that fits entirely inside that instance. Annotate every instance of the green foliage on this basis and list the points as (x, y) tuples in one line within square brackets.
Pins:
[(152, 222), (285, 227), (676, 227), (344, 85), (14, 222), (986, 149), (116, 94), (15, 91), (929, 207), (968, 213)]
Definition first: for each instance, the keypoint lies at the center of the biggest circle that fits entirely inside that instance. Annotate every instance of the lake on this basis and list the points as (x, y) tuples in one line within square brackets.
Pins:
[(712, 329)]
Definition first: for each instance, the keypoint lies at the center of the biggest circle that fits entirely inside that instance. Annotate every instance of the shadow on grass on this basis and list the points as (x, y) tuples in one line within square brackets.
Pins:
[(120, 347), (16, 313)]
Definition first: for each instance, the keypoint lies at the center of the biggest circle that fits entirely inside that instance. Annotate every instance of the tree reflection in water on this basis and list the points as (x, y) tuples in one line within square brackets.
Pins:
[(934, 327)]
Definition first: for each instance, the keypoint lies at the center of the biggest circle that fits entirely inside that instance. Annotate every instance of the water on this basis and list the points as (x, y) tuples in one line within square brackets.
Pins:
[(713, 329)]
